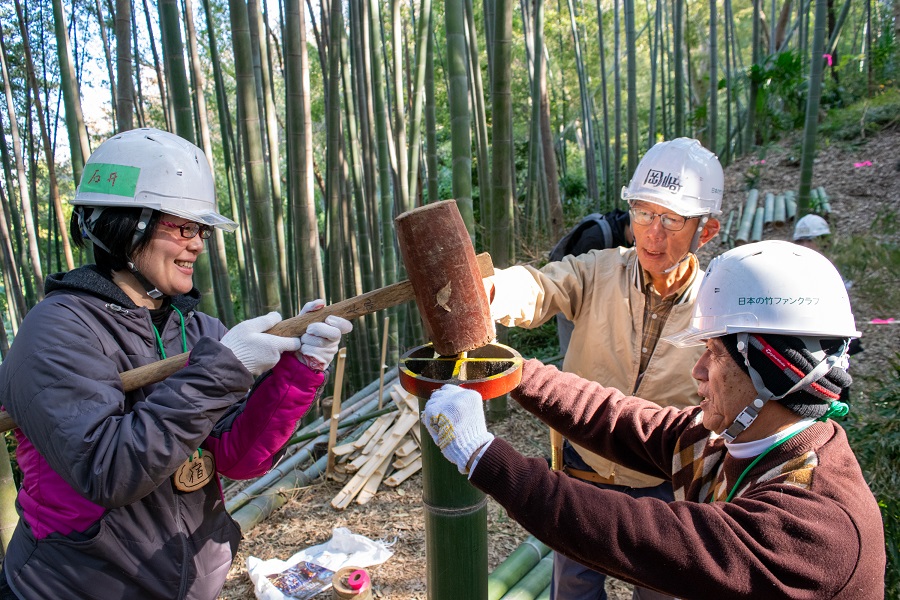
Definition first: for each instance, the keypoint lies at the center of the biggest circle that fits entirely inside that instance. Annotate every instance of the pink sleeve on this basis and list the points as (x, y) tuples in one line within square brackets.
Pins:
[(247, 447)]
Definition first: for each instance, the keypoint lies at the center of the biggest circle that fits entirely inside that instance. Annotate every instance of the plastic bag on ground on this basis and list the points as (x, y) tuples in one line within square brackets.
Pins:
[(342, 550)]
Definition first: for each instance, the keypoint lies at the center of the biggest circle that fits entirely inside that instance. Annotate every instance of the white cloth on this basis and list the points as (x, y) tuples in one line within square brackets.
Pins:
[(454, 417), (258, 351)]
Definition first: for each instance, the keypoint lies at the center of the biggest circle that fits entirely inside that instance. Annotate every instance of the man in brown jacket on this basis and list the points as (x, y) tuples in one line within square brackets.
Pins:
[(770, 501)]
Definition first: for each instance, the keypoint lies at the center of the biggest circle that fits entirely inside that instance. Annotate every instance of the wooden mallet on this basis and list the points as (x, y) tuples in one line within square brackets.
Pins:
[(453, 272)]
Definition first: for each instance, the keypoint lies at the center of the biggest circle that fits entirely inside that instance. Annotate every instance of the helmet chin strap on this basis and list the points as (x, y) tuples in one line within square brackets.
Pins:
[(139, 232), (695, 245), (750, 412)]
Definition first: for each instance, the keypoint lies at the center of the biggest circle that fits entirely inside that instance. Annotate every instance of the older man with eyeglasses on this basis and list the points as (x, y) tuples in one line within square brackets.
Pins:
[(622, 302)]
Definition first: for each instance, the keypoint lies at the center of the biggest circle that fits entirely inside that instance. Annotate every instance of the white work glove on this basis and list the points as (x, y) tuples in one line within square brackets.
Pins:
[(258, 351), (454, 417), (321, 341)]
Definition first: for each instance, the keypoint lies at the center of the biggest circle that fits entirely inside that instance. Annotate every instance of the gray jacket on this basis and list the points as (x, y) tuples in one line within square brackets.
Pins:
[(101, 517)]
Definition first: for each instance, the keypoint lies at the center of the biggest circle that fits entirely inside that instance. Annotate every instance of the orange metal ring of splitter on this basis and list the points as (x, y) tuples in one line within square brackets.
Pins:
[(491, 370)]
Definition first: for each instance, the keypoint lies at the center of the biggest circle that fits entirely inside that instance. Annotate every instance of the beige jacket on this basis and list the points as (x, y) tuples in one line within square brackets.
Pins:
[(600, 292)]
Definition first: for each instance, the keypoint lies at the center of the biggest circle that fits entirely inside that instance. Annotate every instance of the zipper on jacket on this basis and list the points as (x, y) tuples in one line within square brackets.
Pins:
[(117, 308)]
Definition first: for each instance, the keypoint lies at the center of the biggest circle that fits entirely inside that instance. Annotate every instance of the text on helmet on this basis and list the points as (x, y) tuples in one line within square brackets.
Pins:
[(660, 179)]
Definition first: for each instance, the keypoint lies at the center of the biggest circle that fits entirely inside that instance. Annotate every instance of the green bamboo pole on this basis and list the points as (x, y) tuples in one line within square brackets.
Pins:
[(750, 124), (758, 220), (258, 205), (811, 124), (522, 560), (726, 232), (743, 232), (631, 81), (769, 209), (78, 140), (678, 65), (713, 111), (545, 595), (458, 101), (455, 528), (533, 583), (790, 205), (780, 215)]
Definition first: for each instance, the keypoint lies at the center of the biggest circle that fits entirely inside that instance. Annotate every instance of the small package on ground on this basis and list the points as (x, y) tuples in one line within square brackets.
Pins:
[(310, 571)]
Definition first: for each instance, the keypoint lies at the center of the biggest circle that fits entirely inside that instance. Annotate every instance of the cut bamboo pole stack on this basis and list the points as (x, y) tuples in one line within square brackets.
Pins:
[(533, 583), (388, 452), (518, 564)]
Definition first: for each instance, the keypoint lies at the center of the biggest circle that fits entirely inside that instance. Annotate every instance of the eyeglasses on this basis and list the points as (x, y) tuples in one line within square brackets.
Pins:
[(190, 229), (669, 221)]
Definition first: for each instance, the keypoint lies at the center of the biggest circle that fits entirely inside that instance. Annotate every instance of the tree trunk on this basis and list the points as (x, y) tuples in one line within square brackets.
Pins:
[(78, 140), (260, 206), (299, 134), (45, 140), (24, 196), (458, 97), (631, 112), (160, 76), (713, 113), (274, 154), (217, 259), (124, 81), (678, 64), (400, 140), (810, 126)]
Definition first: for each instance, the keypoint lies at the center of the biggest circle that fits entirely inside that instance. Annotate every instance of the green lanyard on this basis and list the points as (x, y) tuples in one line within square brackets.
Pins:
[(837, 408), (184, 347)]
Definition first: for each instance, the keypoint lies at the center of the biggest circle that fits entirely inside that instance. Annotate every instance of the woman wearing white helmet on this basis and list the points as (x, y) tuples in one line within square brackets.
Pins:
[(120, 496), (770, 501)]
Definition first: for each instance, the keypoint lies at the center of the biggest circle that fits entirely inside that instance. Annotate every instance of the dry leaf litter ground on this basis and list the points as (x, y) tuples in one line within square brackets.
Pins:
[(396, 514)]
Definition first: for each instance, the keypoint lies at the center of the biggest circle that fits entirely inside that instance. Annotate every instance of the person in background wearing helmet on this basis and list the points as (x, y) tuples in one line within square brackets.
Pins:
[(622, 301), (120, 496), (810, 231), (770, 501), (594, 232)]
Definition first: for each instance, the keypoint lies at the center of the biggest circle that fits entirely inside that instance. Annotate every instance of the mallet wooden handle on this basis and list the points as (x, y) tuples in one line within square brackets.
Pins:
[(351, 308)]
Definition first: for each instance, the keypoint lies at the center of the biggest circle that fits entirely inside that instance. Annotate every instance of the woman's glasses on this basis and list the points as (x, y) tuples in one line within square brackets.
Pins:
[(190, 229)]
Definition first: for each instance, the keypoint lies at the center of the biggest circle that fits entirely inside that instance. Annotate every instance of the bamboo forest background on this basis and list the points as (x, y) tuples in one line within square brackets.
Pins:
[(323, 121)]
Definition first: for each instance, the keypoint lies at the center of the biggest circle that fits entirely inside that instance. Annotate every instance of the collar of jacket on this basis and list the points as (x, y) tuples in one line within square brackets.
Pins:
[(89, 279)]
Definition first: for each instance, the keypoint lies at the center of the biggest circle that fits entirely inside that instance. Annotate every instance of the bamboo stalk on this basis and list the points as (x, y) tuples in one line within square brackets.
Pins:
[(384, 347), (455, 519), (522, 560), (769, 209), (726, 233), (780, 210), (758, 220), (743, 232), (790, 204), (533, 583), (335, 408)]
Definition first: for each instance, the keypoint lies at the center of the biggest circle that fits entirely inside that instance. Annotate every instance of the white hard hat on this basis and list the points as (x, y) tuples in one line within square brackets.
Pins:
[(769, 287), (152, 169), (680, 175), (810, 226)]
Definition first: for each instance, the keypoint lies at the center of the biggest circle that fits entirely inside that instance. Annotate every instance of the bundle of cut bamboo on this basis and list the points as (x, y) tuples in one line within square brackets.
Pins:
[(387, 452)]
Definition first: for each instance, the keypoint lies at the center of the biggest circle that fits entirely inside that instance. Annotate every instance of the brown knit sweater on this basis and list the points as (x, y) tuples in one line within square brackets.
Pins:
[(802, 525)]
